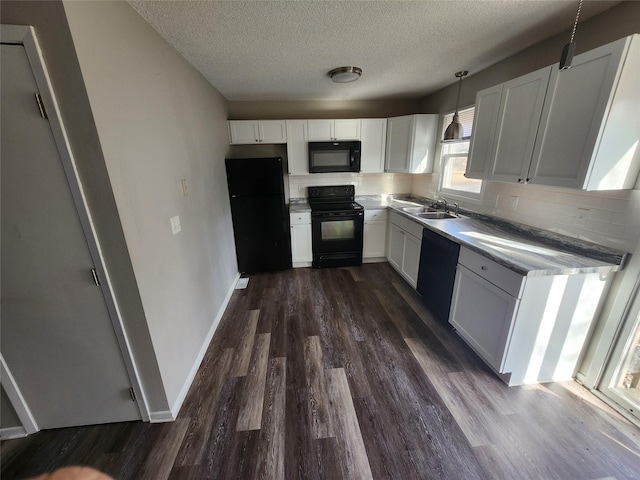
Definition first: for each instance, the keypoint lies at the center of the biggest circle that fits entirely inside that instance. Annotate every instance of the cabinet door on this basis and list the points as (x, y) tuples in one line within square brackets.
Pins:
[(297, 150), (320, 130), (411, 259), (573, 116), (483, 315), (485, 121), (347, 129), (272, 131), (396, 246), (520, 111), (374, 141), (399, 135), (243, 131), (375, 239), (301, 243)]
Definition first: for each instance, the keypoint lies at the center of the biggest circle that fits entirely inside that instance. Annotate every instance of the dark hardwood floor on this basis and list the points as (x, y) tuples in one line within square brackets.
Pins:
[(343, 374)]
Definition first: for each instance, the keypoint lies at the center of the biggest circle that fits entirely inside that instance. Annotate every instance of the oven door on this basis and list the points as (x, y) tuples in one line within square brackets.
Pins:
[(337, 238)]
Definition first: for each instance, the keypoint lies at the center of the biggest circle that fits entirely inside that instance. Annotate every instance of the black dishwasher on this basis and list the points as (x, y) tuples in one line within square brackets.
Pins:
[(437, 273)]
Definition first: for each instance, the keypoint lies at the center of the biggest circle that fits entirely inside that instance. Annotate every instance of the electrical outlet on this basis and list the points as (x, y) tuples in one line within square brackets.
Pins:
[(175, 224), (582, 216), (513, 203)]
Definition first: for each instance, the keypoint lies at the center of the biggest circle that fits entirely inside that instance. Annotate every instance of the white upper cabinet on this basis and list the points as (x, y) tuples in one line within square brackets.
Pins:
[(331, 130), (518, 119), (576, 128), (485, 121), (411, 141), (257, 131), (589, 133), (374, 140), (297, 150)]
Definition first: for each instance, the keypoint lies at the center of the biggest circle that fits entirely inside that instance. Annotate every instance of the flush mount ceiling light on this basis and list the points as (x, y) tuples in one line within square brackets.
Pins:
[(570, 48), (345, 74), (454, 131)]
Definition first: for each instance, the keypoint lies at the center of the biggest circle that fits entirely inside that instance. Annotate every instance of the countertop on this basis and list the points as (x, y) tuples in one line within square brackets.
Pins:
[(526, 250)]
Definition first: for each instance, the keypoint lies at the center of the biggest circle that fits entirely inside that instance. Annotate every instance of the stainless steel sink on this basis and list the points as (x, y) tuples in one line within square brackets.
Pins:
[(415, 210), (434, 215)]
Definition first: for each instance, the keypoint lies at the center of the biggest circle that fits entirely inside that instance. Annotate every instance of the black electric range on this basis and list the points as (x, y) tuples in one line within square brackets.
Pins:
[(337, 224)]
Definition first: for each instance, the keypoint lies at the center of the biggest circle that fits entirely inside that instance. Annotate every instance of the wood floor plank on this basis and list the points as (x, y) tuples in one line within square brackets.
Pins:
[(347, 426), (240, 364), (205, 396), (271, 449), (474, 432), (159, 462), (319, 417), (252, 403)]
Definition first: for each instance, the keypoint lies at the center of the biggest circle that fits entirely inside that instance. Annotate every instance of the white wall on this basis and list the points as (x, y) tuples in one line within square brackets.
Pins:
[(159, 121)]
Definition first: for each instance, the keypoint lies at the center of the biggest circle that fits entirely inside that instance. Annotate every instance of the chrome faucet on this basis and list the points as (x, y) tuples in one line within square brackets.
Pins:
[(443, 202)]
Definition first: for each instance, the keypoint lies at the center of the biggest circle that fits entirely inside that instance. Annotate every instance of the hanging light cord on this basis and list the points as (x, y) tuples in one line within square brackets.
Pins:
[(459, 88), (575, 24)]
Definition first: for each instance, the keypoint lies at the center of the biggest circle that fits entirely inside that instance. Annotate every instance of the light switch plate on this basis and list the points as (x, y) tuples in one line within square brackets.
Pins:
[(175, 224)]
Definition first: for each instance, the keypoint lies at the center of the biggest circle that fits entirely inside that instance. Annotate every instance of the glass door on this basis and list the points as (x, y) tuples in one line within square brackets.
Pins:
[(621, 379)]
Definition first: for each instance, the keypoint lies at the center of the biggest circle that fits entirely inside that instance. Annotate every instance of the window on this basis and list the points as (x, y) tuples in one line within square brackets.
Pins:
[(453, 162)]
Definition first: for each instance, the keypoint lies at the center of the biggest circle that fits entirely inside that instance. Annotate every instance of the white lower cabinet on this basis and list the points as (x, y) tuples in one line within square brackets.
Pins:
[(527, 329), (301, 250), (374, 245), (405, 241)]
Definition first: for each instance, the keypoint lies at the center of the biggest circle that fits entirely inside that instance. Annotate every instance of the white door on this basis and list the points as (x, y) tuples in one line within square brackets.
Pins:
[(57, 336)]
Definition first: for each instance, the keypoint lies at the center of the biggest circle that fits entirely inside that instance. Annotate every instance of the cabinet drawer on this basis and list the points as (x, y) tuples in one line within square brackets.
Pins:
[(375, 215), (414, 228), (300, 218), (503, 278)]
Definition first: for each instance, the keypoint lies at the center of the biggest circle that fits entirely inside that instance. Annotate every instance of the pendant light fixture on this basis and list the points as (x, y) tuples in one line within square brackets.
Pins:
[(454, 130), (570, 48), (345, 74)]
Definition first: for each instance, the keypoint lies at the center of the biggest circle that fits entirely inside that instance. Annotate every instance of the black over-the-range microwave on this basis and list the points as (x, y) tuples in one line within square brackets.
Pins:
[(334, 157)]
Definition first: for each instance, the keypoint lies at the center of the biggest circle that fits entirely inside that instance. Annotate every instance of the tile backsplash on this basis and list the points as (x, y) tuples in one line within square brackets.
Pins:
[(610, 218), (365, 183)]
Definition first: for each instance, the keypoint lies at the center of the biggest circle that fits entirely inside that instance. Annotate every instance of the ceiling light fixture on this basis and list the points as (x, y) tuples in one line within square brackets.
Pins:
[(454, 131), (345, 74), (570, 48)]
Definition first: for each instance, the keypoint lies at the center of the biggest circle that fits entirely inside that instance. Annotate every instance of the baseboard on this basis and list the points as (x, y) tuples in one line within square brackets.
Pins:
[(162, 416), (301, 264), (12, 432), (196, 365), (374, 260)]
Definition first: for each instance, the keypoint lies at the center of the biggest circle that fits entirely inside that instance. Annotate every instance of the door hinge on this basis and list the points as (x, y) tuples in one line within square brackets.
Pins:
[(96, 279), (132, 394), (43, 111)]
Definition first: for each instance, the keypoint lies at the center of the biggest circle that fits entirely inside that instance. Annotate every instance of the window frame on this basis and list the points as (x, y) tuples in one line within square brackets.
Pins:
[(455, 194)]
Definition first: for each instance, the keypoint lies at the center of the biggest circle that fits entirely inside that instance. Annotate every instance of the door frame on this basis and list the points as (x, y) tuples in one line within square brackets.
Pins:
[(25, 416), (26, 36)]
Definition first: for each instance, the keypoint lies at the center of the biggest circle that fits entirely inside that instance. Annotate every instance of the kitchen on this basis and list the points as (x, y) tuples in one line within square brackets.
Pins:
[(147, 296)]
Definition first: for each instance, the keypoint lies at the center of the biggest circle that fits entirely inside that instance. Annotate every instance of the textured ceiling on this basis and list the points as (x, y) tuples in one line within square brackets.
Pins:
[(282, 50)]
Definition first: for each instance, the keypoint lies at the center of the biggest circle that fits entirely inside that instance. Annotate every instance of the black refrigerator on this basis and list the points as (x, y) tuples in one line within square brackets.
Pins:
[(260, 214)]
